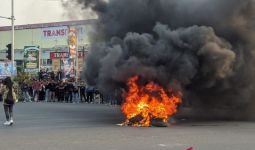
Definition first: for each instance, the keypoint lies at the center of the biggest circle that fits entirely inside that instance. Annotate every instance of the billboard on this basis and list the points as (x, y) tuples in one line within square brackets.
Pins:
[(7, 69), (31, 59), (72, 42), (54, 33)]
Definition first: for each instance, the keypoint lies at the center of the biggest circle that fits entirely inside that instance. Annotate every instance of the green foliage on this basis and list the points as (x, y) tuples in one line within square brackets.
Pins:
[(20, 69), (22, 77)]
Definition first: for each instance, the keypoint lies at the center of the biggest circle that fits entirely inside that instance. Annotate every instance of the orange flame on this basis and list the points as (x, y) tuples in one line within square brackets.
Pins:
[(148, 102)]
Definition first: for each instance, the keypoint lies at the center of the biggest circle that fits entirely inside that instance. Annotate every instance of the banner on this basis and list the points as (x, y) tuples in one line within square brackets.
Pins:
[(31, 59), (72, 42), (7, 69), (68, 67), (54, 33), (56, 65)]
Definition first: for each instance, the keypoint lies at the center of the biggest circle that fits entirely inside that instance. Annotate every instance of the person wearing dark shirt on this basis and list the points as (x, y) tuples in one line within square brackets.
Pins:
[(89, 94), (41, 96), (57, 94), (82, 88), (40, 75), (51, 87), (76, 93), (52, 75), (69, 89), (59, 75), (47, 91), (61, 91), (24, 88), (66, 92)]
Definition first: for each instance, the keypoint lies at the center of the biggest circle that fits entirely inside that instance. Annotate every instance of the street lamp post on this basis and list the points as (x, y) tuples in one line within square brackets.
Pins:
[(12, 35), (12, 19), (5, 17)]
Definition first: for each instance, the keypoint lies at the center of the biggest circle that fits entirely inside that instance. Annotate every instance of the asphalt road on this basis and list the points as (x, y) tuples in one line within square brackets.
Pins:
[(56, 126)]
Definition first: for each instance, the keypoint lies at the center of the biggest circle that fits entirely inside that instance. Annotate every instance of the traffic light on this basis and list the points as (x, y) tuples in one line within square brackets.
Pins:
[(9, 52)]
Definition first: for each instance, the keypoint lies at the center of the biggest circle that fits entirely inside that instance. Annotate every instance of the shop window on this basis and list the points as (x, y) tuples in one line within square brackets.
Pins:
[(49, 62), (46, 62), (19, 62)]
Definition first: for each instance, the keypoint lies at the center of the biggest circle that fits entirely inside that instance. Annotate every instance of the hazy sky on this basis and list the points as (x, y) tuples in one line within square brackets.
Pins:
[(33, 11)]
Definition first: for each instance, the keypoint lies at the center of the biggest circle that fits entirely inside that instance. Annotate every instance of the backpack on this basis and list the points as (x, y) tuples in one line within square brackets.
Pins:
[(9, 98)]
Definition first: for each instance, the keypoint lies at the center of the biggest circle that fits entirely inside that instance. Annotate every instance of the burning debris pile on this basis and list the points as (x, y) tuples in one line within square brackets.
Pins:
[(147, 103), (201, 48)]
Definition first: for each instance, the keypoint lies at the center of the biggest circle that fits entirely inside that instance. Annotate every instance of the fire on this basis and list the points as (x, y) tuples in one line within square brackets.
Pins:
[(145, 103)]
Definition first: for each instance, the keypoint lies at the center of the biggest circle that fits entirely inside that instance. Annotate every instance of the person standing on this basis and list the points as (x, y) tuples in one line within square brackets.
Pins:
[(52, 87), (90, 94), (76, 98), (70, 89), (9, 99), (66, 92), (97, 97), (82, 88), (36, 89), (61, 90), (59, 75), (52, 75), (46, 91), (24, 90)]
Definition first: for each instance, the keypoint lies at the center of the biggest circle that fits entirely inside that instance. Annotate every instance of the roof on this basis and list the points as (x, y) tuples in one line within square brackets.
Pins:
[(51, 24)]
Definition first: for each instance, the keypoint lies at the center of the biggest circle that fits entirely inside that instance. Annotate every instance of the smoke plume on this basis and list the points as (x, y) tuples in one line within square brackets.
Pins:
[(205, 48)]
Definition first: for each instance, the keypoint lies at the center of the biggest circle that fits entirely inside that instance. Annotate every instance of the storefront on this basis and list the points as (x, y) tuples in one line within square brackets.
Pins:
[(53, 41)]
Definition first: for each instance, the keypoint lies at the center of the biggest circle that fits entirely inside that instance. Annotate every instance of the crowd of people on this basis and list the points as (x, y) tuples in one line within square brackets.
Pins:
[(68, 91), (50, 88)]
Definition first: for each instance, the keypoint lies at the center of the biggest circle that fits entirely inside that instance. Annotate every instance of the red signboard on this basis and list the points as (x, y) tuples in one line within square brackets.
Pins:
[(54, 55)]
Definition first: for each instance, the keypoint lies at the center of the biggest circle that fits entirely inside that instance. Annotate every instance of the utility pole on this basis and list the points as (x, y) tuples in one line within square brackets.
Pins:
[(77, 60), (12, 19)]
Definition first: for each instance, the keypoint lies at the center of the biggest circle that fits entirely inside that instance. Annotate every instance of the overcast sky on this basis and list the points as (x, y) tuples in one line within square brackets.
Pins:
[(33, 11)]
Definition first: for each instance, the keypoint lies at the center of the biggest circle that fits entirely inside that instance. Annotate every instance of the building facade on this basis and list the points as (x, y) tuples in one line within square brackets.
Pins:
[(52, 39)]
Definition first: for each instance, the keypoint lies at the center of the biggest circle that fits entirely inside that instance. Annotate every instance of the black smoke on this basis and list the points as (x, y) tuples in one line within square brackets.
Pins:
[(205, 48)]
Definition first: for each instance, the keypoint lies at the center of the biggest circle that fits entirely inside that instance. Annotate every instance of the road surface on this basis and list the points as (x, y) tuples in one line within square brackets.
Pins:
[(57, 126)]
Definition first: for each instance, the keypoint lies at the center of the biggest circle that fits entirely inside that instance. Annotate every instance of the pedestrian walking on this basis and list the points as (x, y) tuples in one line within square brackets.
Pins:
[(1, 86), (9, 99)]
